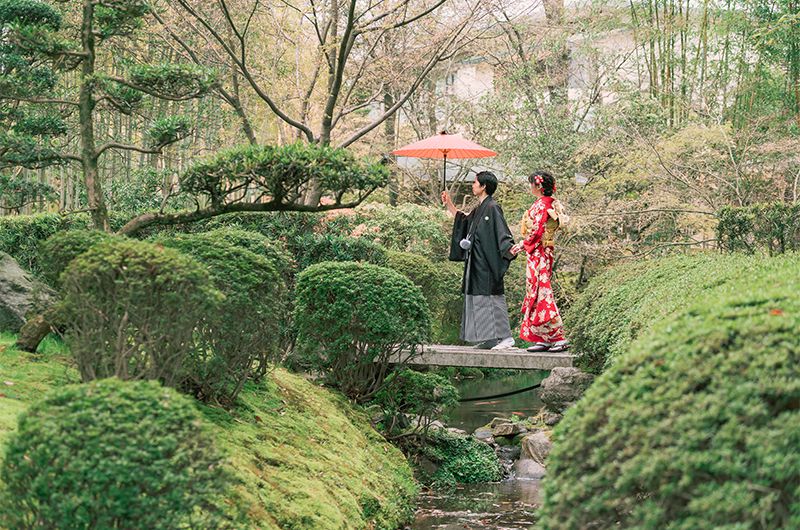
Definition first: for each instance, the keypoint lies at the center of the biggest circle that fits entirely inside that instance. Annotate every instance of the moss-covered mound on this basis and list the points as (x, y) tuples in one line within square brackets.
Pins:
[(305, 457), (309, 460), (624, 302), (698, 425)]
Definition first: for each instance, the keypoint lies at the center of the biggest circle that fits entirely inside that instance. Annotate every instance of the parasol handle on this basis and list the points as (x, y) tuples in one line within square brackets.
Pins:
[(444, 172)]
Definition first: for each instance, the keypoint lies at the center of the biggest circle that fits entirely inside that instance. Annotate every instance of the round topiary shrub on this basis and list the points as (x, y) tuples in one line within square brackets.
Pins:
[(113, 454), (697, 426), (352, 318), (57, 251), (408, 227), (133, 309), (243, 333)]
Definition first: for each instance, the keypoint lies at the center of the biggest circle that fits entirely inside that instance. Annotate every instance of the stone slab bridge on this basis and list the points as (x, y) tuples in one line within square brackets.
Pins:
[(514, 358)]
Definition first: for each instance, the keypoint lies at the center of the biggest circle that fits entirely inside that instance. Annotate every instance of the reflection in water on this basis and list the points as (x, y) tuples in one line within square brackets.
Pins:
[(505, 505), (473, 414), (508, 505)]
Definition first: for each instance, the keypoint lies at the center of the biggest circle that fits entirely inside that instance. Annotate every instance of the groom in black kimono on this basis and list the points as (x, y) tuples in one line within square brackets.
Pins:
[(483, 241)]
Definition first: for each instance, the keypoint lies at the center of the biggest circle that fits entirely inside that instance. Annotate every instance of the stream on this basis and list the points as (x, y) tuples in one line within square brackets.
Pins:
[(507, 505)]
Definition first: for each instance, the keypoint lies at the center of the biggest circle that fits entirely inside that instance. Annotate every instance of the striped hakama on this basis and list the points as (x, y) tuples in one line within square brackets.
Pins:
[(485, 317)]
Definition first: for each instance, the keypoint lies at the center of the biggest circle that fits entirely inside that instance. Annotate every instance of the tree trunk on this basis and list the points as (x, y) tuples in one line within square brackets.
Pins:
[(389, 130), (34, 331), (94, 188)]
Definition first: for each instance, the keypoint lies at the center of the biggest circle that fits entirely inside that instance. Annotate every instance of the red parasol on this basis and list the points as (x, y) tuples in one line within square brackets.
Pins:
[(444, 146)]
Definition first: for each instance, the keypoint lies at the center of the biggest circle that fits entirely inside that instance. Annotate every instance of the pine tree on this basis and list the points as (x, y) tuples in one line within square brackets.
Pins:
[(40, 113)]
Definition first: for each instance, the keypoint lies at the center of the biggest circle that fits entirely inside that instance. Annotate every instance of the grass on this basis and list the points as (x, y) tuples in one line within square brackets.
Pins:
[(305, 457)]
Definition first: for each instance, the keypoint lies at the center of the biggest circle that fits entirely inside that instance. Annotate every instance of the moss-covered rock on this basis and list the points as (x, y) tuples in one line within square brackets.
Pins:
[(698, 425)]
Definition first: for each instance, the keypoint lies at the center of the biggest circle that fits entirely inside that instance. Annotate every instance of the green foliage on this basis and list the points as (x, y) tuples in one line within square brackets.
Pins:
[(123, 98), (300, 454), (352, 317), (772, 227), (174, 80), (243, 330), (58, 251), (697, 426), (440, 283), (316, 248), (21, 235), (16, 192), (272, 250), (404, 228), (121, 18), (37, 124), (423, 394), (168, 130), (113, 454), (142, 192), (29, 13), (621, 304), (461, 459), (285, 227), (133, 309), (281, 173)]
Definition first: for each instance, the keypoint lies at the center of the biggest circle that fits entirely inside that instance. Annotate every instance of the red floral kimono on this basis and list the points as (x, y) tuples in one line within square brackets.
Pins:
[(542, 320)]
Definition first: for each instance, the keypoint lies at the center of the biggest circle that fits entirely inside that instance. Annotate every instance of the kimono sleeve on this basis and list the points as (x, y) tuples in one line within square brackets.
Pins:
[(460, 228)]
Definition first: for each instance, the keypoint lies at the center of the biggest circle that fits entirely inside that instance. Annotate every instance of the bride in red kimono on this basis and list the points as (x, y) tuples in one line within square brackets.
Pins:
[(541, 322)]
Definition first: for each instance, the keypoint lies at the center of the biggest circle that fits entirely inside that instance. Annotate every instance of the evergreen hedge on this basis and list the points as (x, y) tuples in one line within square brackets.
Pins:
[(316, 248), (622, 303), (21, 235), (113, 454), (698, 425)]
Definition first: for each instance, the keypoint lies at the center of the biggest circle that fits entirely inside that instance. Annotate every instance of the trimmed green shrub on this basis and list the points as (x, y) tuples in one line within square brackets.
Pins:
[(460, 459), (57, 251), (440, 283), (697, 427), (272, 250), (772, 227), (316, 248), (351, 318), (423, 394), (113, 454), (619, 305), (243, 332), (132, 310)]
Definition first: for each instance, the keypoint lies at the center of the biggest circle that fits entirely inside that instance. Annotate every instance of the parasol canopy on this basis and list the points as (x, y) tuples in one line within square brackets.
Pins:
[(444, 146)]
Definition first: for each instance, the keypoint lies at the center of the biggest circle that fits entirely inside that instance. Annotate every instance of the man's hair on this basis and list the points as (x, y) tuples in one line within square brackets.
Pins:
[(487, 178)]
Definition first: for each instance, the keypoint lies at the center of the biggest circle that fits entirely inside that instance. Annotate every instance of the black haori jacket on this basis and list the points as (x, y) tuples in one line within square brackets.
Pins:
[(488, 259)]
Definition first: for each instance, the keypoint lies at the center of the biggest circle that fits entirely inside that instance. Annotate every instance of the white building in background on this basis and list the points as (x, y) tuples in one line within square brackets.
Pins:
[(597, 63)]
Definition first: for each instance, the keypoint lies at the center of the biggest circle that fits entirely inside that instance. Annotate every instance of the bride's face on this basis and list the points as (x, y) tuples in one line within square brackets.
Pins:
[(536, 190)]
